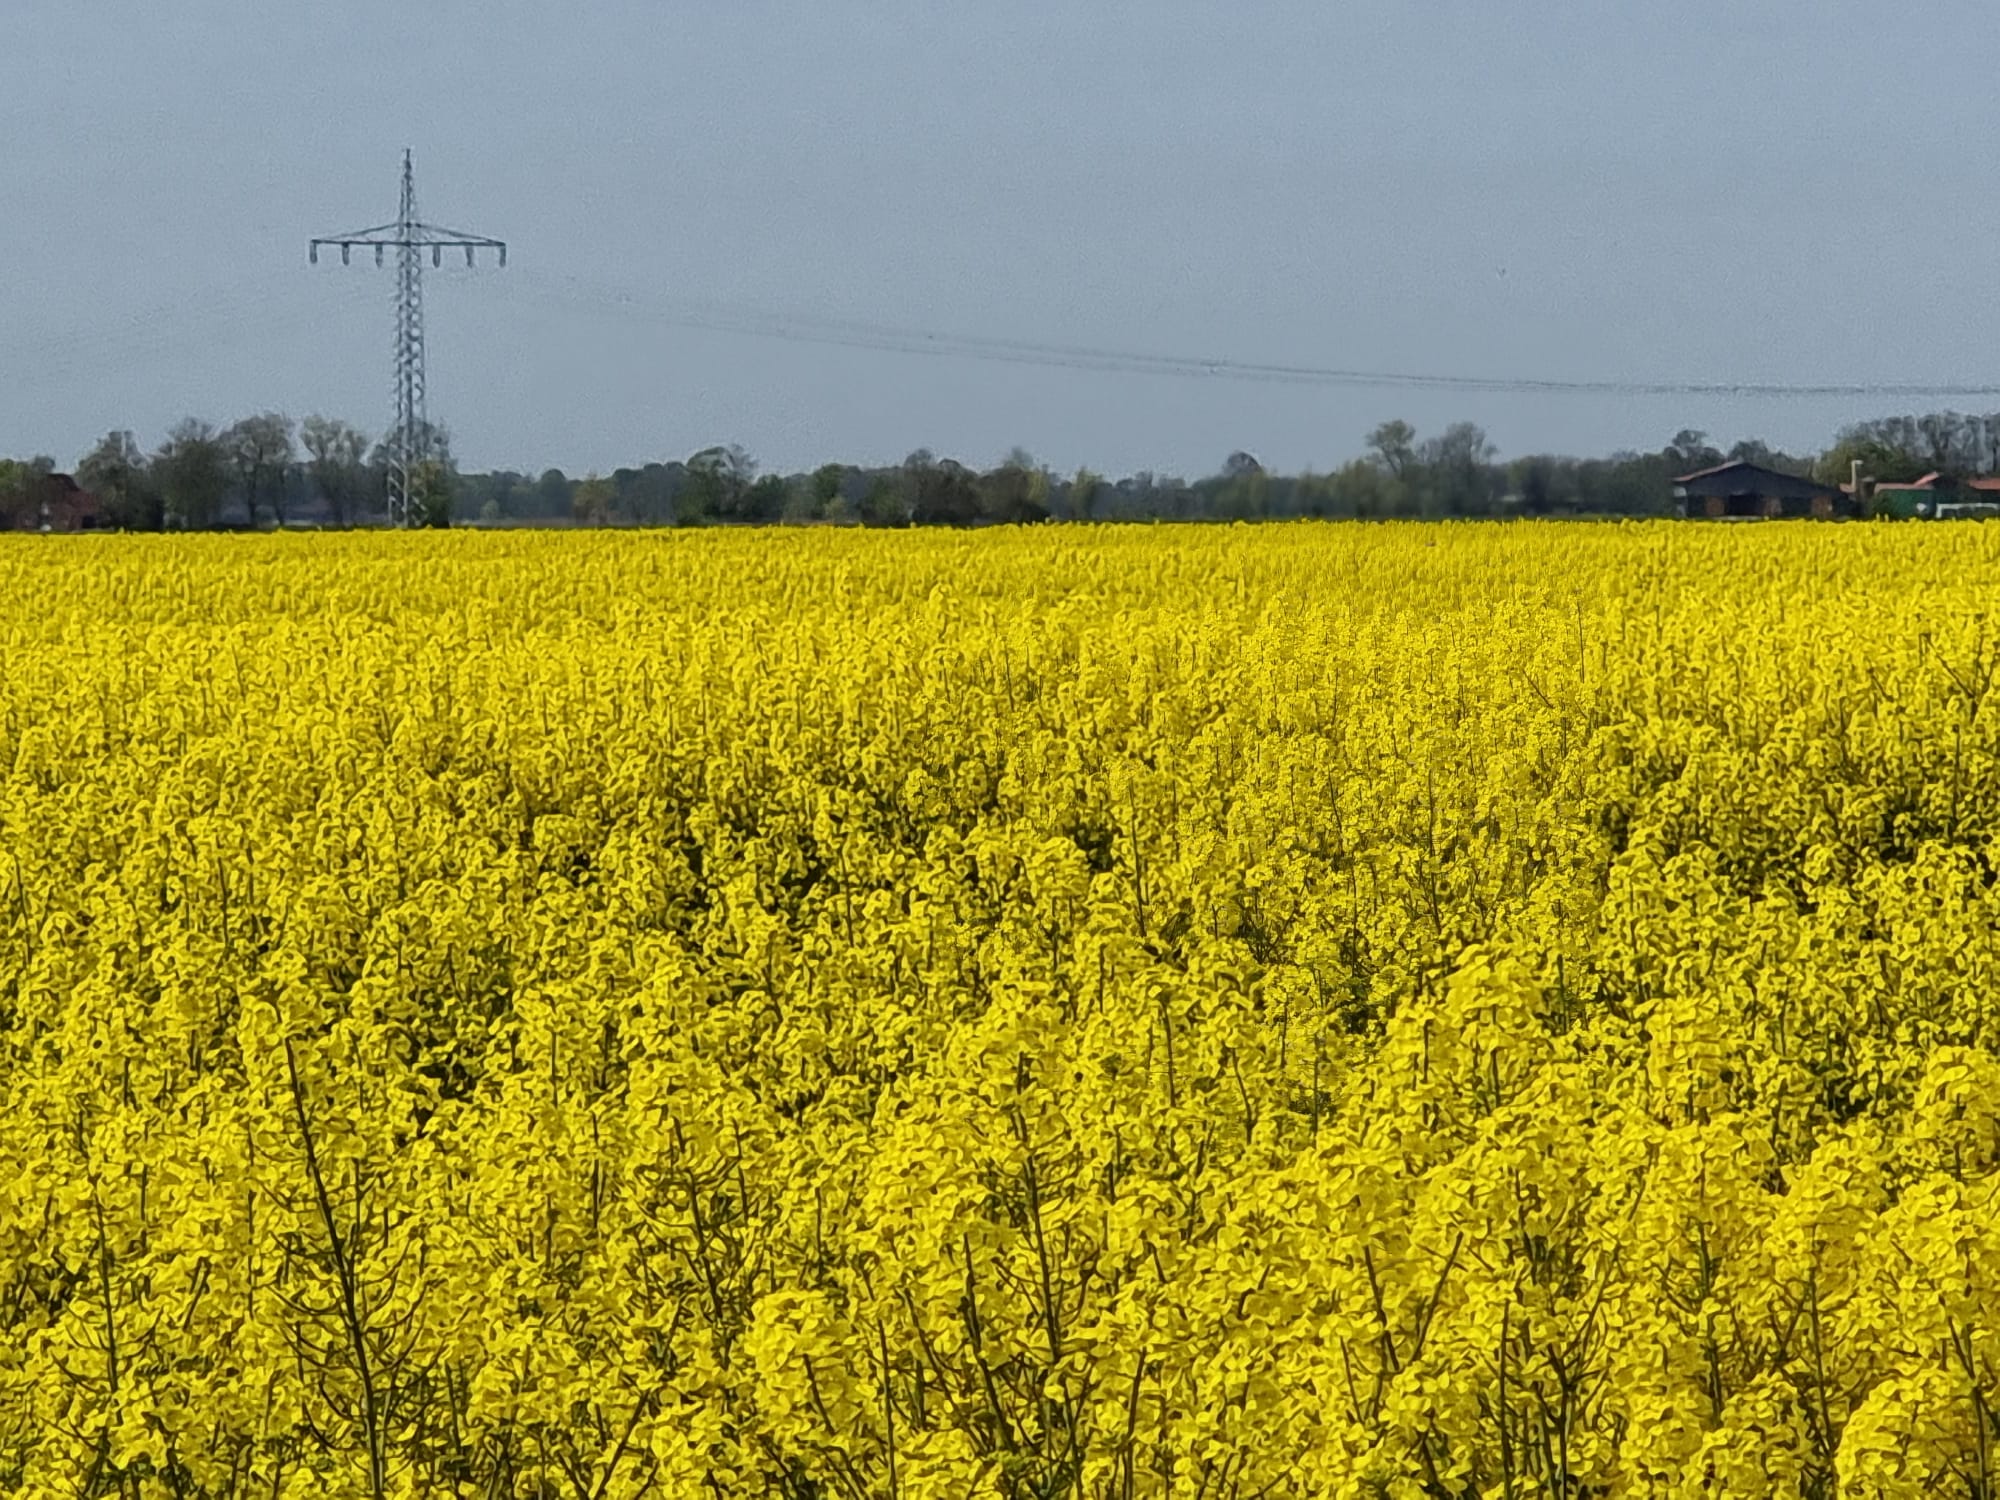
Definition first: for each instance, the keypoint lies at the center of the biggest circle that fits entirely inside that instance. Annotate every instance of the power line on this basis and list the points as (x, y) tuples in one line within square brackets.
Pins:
[(890, 338), (258, 305), (258, 309)]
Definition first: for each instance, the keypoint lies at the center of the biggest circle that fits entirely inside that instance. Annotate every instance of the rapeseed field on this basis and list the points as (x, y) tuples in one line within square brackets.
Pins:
[(1402, 1011)]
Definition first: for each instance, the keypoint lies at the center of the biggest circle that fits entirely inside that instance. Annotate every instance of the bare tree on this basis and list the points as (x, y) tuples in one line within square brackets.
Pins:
[(338, 457), (260, 450), (1394, 445), (1459, 467)]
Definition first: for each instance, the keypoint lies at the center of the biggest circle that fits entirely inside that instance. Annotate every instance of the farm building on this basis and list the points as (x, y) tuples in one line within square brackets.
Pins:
[(1913, 497), (1743, 490), (1938, 497), (68, 506), (49, 502), (1979, 499)]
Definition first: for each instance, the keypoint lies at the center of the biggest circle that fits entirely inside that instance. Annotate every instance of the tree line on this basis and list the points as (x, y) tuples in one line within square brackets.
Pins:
[(266, 470)]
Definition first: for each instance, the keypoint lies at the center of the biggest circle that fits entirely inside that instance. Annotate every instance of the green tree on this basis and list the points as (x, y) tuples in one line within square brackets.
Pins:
[(117, 473), (827, 480), (717, 487), (552, 496), (192, 469), (1365, 489), (432, 490), (936, 492), (1240, 491), (1533, 481), (886, 503), (592, 500), (1881, 461), (802, 503), (1311, 495), (1084, 492), (766, 499), (652, 498), (20, 495), (1015, 493)]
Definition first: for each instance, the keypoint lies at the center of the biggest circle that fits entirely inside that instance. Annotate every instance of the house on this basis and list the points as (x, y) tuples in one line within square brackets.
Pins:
[(68, 506), (1742, 490)]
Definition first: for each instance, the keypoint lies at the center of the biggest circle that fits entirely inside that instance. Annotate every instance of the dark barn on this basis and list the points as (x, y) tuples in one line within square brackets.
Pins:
[(1743, 490)]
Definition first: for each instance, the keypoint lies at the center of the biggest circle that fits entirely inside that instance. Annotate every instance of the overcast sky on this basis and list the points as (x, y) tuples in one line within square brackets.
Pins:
[(1711, 190)]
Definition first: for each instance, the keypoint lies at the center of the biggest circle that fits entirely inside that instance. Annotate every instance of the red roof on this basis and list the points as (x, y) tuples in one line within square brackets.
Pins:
[(1734, 463), (1928, 482), (1987, 485)]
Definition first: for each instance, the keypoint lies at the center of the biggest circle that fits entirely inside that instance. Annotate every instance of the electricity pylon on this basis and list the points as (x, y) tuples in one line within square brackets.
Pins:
[(410, 443)]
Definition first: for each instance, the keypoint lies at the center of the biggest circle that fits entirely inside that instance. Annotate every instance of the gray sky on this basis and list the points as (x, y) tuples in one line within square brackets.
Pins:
[(1711, 190)]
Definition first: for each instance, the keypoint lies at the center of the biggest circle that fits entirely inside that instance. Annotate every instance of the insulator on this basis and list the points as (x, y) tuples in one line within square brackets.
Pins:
[(437, 255), (503, 257), (313, 254), (468, 255), (378, 255), (347, 255)]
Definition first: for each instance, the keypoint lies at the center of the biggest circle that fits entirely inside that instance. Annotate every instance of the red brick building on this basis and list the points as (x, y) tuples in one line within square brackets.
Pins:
[(68, 506)]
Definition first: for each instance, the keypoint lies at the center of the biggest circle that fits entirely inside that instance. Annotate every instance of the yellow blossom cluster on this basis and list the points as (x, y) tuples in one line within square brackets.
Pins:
[(1304, 1011)]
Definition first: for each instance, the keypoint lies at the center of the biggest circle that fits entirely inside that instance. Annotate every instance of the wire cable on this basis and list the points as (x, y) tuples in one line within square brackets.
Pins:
[(575, 292)]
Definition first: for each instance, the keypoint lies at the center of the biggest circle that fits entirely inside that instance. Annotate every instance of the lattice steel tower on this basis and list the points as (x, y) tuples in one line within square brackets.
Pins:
[(410, 442)]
